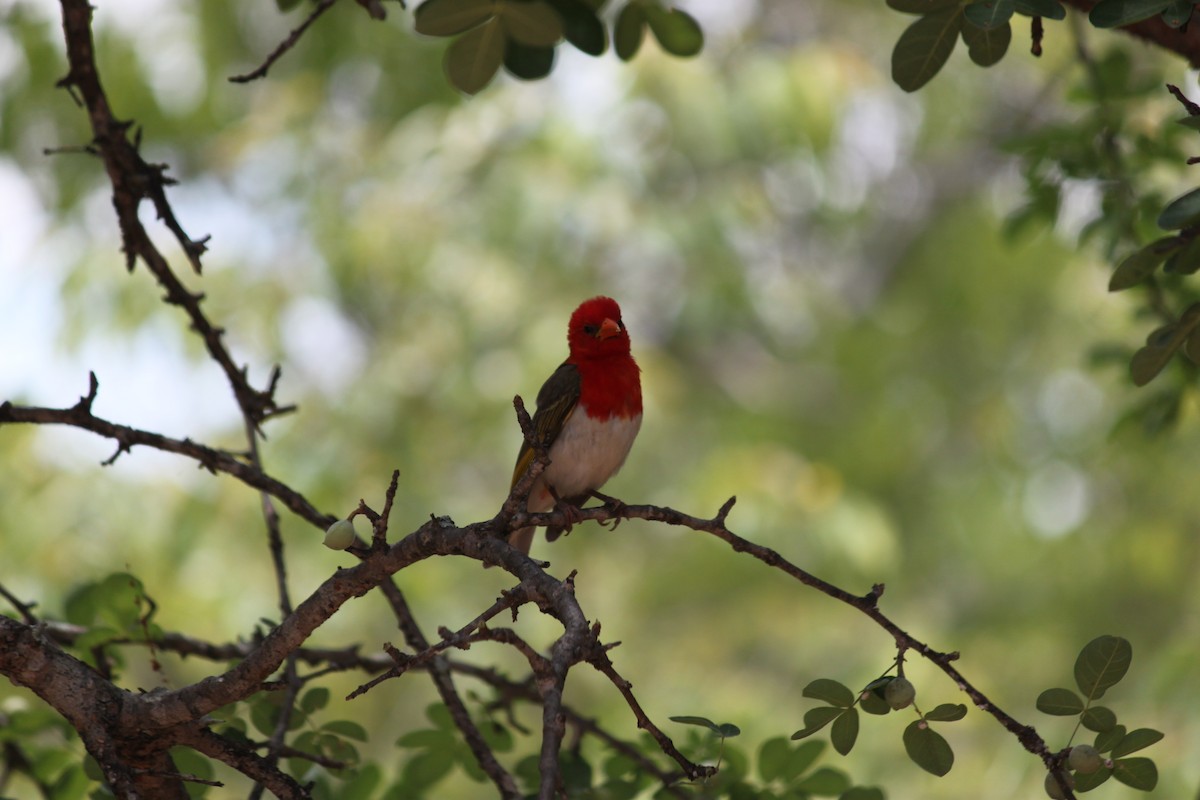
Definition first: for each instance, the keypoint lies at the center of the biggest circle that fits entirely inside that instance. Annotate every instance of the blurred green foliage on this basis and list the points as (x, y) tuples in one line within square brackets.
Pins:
[(869, 315)]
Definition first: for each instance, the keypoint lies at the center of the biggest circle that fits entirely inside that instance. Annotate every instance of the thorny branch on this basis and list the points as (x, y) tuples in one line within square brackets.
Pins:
[(130, 734)]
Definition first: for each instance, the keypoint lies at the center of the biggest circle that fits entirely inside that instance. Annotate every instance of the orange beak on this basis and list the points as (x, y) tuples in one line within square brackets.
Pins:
[(608, 329)]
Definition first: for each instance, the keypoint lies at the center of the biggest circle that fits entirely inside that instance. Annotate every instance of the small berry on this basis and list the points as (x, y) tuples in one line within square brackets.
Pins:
[(340, 535), (900, 693), (1053, 789), (1085, 759)]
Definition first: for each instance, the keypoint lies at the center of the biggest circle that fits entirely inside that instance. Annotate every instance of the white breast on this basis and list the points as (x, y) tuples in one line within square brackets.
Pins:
[(586, 453)]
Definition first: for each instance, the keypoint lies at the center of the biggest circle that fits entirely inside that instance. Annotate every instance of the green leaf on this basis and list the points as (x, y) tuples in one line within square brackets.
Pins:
[(677, 31), (728, 730), (825, 781), (629, 30), (947, 712), (844, 732), (1085, 782), (1177, 14), (425, 769), (581, 27), (804, 756), (1141, 263), (1148, 362), (872, 703), (528, 63), (1050, 9), (1059, 702), (1117, 13), (1101, 664), (1140, 773), (1099, 719), (314, 699), (451, 17), (1181, 212), (1136, 740), (989, 14), (924, 47), (1185, 260), (1192, 122), (987, 47), (474, 58), (817, 718), (1109, 739), (832, 692), (773, 758), (344, 727), (530, 22), (703, 722), (928, 749), (920, 6)]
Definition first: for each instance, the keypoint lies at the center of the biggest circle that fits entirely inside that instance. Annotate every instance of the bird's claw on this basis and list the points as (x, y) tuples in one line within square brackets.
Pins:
[(612, 504)]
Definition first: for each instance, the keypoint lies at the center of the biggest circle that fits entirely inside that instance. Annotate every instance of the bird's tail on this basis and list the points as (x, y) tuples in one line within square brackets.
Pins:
[(522, 539)]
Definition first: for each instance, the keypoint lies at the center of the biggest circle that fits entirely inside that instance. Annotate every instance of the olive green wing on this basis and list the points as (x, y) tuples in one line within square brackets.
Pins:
[(555, 402)]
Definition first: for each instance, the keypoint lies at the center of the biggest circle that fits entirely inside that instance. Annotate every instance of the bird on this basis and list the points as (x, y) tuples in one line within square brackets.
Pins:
[(588, 413)]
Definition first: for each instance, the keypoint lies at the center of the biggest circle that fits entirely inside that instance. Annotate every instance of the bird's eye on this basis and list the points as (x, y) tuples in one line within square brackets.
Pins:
[(591, 330)]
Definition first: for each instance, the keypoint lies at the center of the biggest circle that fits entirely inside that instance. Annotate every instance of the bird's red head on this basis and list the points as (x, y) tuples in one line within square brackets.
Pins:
[(596, 330)]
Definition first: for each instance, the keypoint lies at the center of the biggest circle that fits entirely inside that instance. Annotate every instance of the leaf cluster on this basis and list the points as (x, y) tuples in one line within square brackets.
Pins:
[(1101, 664), (522, 36), (927, 748)]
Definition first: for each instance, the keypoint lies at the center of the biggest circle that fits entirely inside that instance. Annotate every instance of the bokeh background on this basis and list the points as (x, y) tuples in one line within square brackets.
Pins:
[(838, 317)]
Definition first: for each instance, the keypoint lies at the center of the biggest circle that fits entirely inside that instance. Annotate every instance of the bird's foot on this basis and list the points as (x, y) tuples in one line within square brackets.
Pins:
[(612, 504), (569, 509)]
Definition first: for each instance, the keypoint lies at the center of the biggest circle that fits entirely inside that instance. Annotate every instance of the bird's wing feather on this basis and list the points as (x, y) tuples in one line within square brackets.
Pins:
[(556, 401)]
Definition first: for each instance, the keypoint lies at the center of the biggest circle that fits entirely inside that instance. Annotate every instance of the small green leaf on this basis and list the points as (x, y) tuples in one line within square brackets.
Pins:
[(987, 47), (677, 31), (1059, 702), (989, 14), (1140, 773), (314, 699), (1141, 263), (1050, 9), (1181, 212), (1135, 740), (773, 758), (346, 728), (1099, 719), (1185, 260), (629, 30), (1118, 13), (451, 17), (805, 754), (728, 730), (1107, 740), (474, 58), (1085, 782), (928, 749), (530, 22), (947, 712), (832, 692), (844, 732), (528, 63), (1177, 14), (872, 703), (703, 722), (817, 718), (1148, 362), (924, 48), (920, 6), (1192, 122), (581, 27), (824, 781)]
